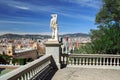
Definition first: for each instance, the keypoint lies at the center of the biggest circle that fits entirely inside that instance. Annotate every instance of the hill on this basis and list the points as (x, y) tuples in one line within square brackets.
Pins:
[(32, 36), (17, 36), (75, 35)]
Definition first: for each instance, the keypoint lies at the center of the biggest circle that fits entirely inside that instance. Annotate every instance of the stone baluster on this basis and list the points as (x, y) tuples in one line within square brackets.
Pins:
[(78, 61), (28, 75), (103, 61), (86, 61), (111, 61), (25, 77), (118, 62), (22, 78), (97, 61), (114, 63), (107, 59), (83, 61), (65, 60), (35, 71), (92, 61), (31, 74)]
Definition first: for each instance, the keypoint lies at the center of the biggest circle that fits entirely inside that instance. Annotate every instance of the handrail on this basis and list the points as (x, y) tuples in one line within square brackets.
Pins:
[(30, 70), (94, 59), (90, 59), (94, 55)]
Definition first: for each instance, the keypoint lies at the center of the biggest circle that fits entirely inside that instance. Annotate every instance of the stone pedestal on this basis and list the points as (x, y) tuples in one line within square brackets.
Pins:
[(53, 47)]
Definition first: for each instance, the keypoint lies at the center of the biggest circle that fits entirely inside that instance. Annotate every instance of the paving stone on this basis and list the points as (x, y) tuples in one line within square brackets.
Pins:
[(87, 74)]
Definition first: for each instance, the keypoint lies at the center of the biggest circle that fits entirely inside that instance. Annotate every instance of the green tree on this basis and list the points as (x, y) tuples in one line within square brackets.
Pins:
[(4, 59), (106, 40)]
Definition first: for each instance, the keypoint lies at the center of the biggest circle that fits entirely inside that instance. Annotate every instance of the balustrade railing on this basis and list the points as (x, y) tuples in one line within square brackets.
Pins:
[(31, 71), (39, 69), (91, 59), (63, 60), (94, 59)]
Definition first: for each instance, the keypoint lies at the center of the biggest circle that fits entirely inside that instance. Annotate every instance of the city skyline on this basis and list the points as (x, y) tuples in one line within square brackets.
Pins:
[(25, 17)]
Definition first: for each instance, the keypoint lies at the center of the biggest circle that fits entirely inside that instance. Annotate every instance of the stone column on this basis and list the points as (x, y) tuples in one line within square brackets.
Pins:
[(53, 48)]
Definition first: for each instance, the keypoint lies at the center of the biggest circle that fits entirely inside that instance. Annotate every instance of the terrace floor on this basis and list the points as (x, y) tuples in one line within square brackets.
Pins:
[(77, 73)]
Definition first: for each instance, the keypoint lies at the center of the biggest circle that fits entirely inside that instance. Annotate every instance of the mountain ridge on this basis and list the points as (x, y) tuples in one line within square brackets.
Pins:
[(40, 36)]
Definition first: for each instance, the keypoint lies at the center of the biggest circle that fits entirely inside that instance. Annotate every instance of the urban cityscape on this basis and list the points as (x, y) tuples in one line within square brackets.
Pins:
[(60, 40)]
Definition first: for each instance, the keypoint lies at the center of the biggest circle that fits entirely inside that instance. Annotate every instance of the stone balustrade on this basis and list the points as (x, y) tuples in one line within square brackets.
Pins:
[(91, 59), (9, 66), (32, 70), (64, 59), (40, 68)]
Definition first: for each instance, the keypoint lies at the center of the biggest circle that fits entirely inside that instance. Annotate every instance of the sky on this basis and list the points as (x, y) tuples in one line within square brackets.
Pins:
[(33, 16)]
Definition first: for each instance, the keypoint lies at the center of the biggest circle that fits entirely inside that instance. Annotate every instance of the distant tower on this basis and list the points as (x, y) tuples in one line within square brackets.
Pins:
[(10, 49)]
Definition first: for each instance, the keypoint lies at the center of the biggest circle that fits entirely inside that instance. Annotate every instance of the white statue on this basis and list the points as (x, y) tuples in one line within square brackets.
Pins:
[(54, 26)]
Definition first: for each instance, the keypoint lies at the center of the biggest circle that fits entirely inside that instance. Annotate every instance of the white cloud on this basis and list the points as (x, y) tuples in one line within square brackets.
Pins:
[(23, 7), (79, 16), (19, 5), (28, 6), (23, 22), (53, 9), (87, 3)]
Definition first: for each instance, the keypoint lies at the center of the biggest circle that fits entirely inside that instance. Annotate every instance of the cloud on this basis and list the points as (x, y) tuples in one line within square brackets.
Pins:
[(23, 22), (62, 10), (74, 12), (87, 3), (79, 16), (29, 6), (23, 7), (16, 4)]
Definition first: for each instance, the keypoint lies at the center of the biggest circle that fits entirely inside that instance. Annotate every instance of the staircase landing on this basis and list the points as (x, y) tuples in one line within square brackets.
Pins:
[(75, 73)]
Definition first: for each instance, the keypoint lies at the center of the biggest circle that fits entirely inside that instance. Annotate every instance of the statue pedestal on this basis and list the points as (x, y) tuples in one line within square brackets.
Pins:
[(53, 47)]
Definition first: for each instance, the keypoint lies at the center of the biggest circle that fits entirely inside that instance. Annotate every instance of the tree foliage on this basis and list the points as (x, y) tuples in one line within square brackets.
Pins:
[(106, 39), (4, 59)]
